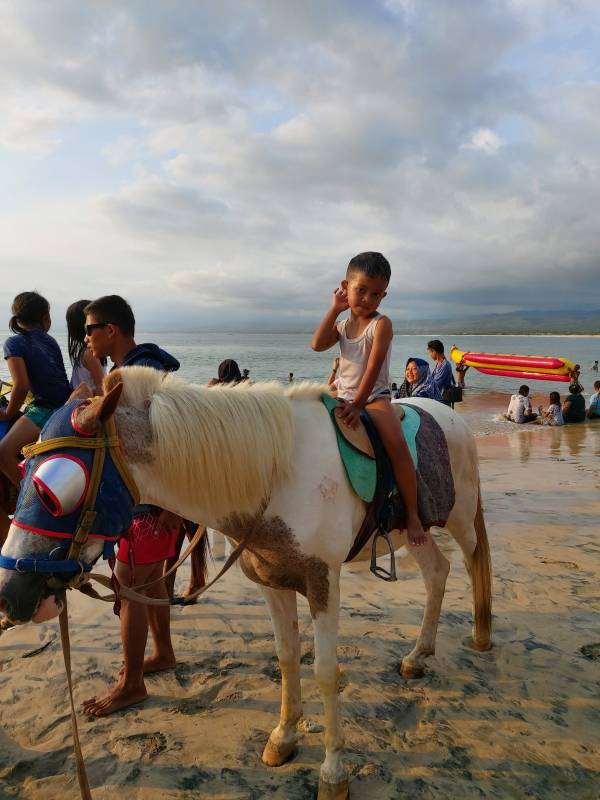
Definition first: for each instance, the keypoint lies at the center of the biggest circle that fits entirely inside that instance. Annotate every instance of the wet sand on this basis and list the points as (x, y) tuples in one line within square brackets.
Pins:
[(521, 721)]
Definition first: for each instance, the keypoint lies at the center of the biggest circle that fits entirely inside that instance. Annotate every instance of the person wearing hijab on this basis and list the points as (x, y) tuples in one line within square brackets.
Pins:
[(418, 381)]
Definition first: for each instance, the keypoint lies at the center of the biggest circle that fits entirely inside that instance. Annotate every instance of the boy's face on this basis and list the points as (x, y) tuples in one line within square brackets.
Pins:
[(100, 336), (364, 293)]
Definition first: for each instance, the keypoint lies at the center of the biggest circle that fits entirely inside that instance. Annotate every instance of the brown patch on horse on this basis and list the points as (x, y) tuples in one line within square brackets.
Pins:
[(135, 434), (273, 558)]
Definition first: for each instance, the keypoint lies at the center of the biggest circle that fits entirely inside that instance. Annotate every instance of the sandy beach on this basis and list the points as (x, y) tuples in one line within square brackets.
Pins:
[(522, 720)]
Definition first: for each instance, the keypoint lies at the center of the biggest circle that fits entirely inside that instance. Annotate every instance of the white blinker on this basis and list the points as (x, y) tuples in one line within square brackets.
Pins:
[(61, 483)]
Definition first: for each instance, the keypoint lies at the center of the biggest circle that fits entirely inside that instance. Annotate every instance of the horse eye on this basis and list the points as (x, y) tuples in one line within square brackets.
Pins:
[(61, 483)]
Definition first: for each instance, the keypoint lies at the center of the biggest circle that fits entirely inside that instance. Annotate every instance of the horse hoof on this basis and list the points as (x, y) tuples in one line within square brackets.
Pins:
[(274, 755), (333, 791), (411, 671), (481, 645)]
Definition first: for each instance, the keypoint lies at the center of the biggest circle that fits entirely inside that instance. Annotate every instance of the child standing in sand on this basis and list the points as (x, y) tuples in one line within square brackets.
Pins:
[(363, 382)]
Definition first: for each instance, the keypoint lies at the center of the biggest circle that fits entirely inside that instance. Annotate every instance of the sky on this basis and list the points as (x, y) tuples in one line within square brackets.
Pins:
[(218, 164)]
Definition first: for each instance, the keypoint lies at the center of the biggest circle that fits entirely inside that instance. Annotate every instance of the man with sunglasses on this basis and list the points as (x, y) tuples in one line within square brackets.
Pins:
[(110, 330)]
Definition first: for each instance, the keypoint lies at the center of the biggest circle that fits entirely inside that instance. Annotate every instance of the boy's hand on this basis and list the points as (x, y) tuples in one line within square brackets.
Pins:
[(335, 364), (350, 415), (339, 300)]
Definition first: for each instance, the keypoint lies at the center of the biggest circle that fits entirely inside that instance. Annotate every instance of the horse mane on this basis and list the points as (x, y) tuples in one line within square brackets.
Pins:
[(224, 446)]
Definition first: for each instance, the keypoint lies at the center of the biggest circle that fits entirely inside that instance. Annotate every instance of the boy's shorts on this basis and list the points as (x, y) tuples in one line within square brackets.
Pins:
[(146, 543), (39, 415)]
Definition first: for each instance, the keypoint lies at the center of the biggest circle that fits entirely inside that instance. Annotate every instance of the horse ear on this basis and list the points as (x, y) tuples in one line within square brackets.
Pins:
[(99, 410), (82, 392)]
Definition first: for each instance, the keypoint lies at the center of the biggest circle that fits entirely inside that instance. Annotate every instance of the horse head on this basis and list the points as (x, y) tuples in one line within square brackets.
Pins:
[(75, 500)]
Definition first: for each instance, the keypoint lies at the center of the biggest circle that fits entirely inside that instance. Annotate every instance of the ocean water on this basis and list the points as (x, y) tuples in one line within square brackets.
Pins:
[(271, 356)]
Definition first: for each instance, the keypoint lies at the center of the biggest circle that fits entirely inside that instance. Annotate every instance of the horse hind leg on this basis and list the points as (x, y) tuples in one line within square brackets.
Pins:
[(471, 535), (282, 742), (434, 568)]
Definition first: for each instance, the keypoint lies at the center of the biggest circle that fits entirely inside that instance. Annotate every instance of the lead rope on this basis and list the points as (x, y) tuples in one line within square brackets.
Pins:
[(84, 786)]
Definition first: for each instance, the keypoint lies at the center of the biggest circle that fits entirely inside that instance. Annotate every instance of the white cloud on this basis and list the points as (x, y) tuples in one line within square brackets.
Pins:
[(484, 139)]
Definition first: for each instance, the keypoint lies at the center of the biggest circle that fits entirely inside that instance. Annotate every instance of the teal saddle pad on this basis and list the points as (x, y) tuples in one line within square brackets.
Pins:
[(360, 468)]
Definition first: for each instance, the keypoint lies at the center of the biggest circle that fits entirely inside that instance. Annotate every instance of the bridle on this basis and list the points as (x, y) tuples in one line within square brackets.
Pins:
[(69, 572)]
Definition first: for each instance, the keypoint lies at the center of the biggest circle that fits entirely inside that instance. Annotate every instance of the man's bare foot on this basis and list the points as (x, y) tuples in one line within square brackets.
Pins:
[(155, 664), (120, 697), (416, 535)]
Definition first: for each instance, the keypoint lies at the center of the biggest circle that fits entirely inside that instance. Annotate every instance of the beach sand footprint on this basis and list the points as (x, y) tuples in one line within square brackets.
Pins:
[(139, 746), (591, 651)]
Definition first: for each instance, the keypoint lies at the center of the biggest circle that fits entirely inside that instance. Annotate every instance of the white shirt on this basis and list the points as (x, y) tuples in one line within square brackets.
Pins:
[(555, 416), (518, 407), (354, 356)]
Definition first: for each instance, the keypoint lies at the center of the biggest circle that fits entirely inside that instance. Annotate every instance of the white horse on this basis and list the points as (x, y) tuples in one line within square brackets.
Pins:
[(266, 458)]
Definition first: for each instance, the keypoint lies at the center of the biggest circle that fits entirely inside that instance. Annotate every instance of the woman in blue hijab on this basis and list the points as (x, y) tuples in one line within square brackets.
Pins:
[(418, 381)]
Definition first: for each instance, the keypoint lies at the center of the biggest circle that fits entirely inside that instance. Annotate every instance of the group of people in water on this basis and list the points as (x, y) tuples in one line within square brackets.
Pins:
[(571, 409)]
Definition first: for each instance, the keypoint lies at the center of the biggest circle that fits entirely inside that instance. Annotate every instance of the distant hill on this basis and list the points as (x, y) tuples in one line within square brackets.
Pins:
[(515, 322)]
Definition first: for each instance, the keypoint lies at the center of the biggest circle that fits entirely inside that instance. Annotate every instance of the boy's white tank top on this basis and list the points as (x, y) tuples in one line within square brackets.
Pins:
[(354, 356)]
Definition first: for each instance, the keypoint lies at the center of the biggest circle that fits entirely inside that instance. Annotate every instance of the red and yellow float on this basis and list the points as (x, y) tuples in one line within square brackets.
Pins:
[(511, 365)]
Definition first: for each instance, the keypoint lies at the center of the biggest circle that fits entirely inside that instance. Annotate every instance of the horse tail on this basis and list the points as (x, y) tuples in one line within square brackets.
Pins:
[(481, 577)]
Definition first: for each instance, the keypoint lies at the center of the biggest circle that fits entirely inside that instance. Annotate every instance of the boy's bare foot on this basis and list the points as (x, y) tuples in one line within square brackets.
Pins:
[(416, 535), (120, 697)]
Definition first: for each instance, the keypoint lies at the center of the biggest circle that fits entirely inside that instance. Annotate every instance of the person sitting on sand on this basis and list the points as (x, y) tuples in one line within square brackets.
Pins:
[(110, 328), (365, 340), (519, 409), (573, 407), (553, 414), (593, 411), (418, 381)]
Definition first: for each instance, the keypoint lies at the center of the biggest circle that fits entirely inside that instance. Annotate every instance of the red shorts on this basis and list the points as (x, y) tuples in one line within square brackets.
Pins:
[(145, 542)]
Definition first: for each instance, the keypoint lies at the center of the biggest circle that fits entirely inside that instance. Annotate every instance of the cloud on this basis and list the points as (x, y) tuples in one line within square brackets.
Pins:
[(484, 139), (242, 154)]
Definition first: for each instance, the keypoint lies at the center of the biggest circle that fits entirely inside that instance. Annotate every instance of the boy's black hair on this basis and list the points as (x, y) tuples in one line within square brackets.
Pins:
[(114, 309), (30, 308), (555, 398), (576, 388), (523, 389), (436, 345), (371, 264), (596, 384)]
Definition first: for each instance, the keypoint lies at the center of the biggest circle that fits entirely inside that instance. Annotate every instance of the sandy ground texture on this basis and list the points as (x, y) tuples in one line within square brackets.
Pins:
[(521, 721)]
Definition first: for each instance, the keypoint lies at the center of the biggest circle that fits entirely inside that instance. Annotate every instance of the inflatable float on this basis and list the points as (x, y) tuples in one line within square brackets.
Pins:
[(531, 368)]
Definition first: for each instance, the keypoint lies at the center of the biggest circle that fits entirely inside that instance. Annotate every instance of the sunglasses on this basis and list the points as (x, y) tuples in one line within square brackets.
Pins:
[(92, 327)]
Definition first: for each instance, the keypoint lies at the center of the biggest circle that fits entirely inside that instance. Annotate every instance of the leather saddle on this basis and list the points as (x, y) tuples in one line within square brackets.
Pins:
[(358, 437)]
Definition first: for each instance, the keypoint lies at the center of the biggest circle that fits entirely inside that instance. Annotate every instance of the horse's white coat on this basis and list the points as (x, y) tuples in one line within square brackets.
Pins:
[(316, 503)]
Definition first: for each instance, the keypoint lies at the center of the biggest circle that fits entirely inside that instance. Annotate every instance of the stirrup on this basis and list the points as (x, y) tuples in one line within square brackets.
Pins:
[(381, 572)]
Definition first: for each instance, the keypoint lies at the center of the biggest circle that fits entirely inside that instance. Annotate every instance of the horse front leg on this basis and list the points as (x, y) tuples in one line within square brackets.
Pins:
[(434, 568), (284, 616), (333, 779)]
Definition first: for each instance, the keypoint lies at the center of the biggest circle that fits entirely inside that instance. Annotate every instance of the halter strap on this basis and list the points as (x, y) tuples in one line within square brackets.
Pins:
[(44, 565)]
